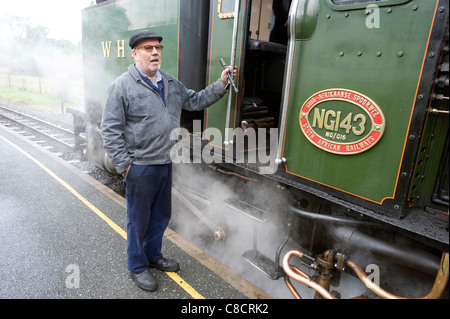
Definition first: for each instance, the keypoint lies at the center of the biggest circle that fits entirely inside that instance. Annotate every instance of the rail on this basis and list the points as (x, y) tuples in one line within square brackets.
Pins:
[(45, 129)]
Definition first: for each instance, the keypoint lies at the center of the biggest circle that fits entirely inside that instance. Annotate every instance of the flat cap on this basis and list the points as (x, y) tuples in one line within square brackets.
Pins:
[(143, 35)]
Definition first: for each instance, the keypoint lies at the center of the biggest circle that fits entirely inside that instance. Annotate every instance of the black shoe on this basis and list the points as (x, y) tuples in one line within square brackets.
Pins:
[(145, 280), (165, 264)]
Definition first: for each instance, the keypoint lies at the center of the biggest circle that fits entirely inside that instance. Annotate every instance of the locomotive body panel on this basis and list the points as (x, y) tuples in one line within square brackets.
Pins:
[(345, 100), (380, 66)]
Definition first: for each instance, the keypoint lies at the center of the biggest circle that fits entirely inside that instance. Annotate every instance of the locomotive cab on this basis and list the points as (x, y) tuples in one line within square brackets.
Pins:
[(253, 113), (350, 97), (348, 94), (264, 65)]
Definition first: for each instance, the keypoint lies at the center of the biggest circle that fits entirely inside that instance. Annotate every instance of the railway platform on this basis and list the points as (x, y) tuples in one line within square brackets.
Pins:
[(63, 236)]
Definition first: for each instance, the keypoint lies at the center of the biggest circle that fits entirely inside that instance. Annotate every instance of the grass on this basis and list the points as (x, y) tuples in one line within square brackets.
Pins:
[(40, 93), (33, 100)]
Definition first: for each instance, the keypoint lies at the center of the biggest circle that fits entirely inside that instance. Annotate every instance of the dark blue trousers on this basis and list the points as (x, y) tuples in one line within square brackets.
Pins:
[(148, 190)]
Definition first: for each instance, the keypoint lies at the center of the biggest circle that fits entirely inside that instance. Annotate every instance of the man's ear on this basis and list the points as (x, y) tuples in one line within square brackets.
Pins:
[(134, 54)]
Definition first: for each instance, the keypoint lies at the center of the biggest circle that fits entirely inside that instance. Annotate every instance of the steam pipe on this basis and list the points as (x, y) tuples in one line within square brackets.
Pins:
[(289, 284), (291, 288), (332, 220), (400, 254), (435, 292), (392, 252), (301, 277), (232, 174)]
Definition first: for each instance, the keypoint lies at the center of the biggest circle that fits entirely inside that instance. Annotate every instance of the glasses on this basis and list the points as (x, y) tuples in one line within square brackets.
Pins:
[(149, 48)]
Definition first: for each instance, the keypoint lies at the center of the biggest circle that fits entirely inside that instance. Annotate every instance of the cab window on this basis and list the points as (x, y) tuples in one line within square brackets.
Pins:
[(226, 9)]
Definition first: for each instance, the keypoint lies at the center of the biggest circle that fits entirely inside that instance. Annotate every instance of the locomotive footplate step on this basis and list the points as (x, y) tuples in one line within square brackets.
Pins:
[(263, 263), (254, 257), (247, 209)]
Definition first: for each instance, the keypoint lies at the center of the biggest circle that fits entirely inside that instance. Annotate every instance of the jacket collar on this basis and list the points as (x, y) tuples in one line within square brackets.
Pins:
[(145, 77), (137, 77)]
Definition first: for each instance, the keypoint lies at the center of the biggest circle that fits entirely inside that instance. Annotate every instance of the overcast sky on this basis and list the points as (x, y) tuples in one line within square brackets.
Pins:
[(61, 17)]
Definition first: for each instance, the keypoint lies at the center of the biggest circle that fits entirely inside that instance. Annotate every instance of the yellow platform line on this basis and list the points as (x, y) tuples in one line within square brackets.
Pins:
[(183, 284)]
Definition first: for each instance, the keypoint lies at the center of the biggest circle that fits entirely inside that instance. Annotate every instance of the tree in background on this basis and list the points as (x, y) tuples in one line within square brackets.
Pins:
[(26, 48)]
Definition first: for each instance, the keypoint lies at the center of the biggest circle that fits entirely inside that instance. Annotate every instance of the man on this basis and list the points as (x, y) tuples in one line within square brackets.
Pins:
[(143, 106)]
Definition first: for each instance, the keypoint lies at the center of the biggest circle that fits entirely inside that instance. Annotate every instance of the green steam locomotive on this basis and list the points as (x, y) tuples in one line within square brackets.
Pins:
[(336, 127)]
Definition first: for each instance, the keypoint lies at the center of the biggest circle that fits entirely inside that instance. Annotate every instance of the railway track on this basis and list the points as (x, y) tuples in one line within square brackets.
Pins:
[(39, 131), (58, 140)]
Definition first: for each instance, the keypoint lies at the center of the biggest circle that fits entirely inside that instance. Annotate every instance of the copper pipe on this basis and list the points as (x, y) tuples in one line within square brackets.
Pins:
[(435, 292), (300, 272), (232, 174), (289, 284), (325, 268), (300, 278), (291, 288), (236, 174), (369, 283), (363, 296)]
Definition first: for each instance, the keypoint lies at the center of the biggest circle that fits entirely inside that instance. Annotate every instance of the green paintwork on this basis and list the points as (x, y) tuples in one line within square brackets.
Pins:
[(386, 69), (334, 49), (428, 162), (220, 47), (116, 22)]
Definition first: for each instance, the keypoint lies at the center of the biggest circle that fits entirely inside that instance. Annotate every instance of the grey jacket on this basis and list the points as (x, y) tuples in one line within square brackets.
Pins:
[(136, 124)]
